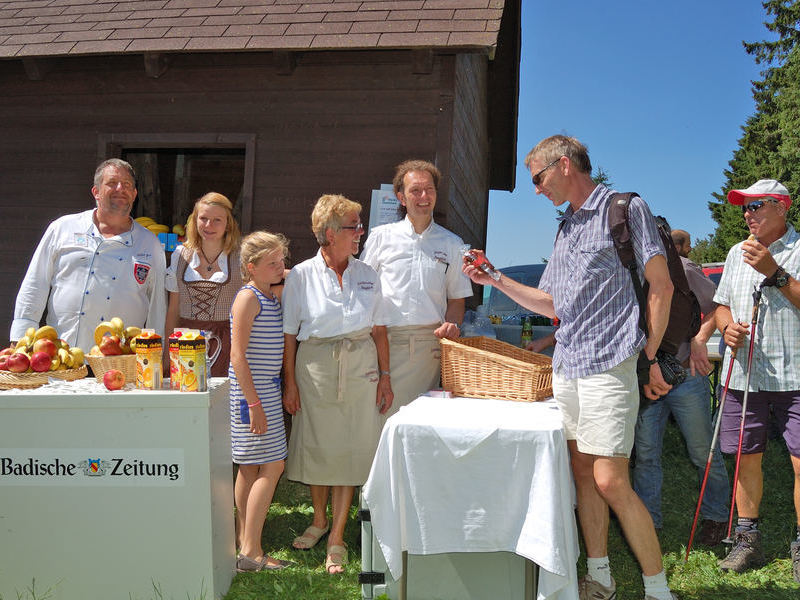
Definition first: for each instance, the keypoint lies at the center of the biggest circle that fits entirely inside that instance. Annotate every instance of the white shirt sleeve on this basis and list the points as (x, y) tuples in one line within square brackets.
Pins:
[(369, 254), (171, 280), (157, 309), (291, 300), (35, 288)]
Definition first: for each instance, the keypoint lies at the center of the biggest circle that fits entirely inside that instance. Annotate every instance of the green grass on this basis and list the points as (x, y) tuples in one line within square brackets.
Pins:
[(699, 579)]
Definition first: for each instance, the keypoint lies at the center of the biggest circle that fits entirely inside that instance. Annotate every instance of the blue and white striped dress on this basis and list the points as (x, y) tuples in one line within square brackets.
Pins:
[(265, 357)]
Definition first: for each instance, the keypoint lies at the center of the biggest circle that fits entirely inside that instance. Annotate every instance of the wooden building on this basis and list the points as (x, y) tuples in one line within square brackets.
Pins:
[(271, 102)]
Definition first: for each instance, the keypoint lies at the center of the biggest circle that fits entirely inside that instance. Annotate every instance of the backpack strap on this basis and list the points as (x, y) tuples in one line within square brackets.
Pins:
[(618, 209)]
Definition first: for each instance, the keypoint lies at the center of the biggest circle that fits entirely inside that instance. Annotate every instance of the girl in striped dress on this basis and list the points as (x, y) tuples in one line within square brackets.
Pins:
[(257, 434)]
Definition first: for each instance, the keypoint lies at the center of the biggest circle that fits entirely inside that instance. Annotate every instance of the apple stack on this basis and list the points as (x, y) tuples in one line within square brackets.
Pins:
[(39, 354), (114, 349)]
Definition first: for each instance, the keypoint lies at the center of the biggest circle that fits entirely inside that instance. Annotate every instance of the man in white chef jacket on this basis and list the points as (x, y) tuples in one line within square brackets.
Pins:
[(424, 289), (95, 265)]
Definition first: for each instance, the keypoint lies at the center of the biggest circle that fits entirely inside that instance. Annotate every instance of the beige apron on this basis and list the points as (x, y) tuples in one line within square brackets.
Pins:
[(414, 358), (335, 432)]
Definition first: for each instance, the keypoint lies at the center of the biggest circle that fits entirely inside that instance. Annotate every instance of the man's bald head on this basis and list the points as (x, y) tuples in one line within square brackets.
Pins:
[(682, 241)]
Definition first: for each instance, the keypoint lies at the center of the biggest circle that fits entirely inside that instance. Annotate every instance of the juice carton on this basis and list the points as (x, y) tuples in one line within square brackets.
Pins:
[(174, 359), (192, 353), (148, 360)]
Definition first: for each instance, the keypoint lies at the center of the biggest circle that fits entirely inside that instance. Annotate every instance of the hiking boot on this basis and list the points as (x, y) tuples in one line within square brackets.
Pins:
[(589, 589), (712, 532), (745, 554), (794, 552)]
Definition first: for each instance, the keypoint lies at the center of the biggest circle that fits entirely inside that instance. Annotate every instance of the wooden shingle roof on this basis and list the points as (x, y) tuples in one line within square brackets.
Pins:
[(30, 28)]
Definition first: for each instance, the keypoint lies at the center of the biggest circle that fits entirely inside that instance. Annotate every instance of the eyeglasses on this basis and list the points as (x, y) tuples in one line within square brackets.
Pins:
[(537, 179), (358, 227), (756, 204)]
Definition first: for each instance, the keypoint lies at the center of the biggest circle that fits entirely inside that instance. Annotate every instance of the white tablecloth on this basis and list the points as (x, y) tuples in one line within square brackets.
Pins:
[(470, 475)]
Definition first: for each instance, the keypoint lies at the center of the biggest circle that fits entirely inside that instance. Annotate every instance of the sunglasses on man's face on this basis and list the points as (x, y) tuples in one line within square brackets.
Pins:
[(358, 227), (537, 179), (756, 204)]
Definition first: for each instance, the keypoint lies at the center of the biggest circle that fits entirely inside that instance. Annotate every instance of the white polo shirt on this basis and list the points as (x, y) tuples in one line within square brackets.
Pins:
[(314, 305), (419, 272), (84, 278)]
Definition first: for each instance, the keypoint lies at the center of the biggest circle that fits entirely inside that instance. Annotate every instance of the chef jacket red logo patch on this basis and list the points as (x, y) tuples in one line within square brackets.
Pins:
[(140, 272)]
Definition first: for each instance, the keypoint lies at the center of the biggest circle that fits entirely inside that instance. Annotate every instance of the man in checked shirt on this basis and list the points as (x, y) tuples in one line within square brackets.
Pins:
[(770, 259), (594, 363)]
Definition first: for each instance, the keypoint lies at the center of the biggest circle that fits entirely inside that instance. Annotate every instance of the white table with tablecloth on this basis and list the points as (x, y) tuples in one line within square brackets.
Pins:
[(473, 475)]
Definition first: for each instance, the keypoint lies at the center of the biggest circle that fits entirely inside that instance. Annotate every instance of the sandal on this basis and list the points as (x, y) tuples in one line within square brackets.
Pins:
[(309, 538), (245, 564), (279, 564), (336, 556)]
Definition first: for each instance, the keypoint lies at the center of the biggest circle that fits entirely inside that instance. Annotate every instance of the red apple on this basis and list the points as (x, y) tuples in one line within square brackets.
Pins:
[(7, 351), (40, 362), (4, 362), (110, 346), (45, 345), (113, 379), (19, 362)]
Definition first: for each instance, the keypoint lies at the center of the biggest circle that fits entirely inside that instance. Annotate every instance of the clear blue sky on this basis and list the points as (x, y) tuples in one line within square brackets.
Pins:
[(658, 91)]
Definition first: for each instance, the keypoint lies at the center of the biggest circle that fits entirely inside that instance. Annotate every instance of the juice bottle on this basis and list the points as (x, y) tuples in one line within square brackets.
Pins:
[(481, 262)]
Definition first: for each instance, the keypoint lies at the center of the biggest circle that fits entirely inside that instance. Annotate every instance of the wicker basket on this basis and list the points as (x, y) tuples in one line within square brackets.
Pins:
[(9, 380), (480, 367), (123, 362)]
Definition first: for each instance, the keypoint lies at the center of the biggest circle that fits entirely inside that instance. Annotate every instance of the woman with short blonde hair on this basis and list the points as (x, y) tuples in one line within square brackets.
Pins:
[(336, 370)]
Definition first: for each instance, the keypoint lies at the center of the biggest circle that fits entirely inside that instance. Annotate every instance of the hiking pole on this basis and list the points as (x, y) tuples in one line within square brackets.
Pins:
[(753, 322), (714, 438)]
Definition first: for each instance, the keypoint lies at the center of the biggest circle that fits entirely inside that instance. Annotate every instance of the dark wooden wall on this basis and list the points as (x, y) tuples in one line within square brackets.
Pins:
[(338, 123)]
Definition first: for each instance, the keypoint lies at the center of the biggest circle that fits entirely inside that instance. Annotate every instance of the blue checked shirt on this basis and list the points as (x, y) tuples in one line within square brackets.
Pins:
[(776, 349), (592, 292)]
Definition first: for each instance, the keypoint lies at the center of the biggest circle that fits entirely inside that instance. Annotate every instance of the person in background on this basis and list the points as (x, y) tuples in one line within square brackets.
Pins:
[(95, 265), (336, 367), (204, 276), (599, 341), (771, 260), (541, 344), (258, 437), (689, 404), (423, 286), (682, 241)]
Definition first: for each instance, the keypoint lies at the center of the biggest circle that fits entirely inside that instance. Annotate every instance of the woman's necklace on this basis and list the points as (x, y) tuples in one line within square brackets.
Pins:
[(210, 267)]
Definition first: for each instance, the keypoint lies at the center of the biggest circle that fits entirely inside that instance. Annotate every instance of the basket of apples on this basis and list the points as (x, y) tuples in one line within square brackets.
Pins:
[(114, 349), (37, 357)]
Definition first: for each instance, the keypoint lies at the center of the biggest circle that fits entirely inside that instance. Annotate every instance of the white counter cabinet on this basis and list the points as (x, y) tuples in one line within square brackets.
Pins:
[(116, 495)]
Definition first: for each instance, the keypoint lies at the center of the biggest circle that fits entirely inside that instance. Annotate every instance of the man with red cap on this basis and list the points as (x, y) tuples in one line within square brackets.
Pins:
[(770, 258)]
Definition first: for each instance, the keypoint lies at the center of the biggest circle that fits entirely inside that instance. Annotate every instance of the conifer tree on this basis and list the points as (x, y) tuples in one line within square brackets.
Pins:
[(770, 144)]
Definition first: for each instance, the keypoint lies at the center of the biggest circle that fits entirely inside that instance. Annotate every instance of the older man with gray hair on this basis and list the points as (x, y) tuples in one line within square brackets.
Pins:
[(599, 341), (770, 260), (95, 265)]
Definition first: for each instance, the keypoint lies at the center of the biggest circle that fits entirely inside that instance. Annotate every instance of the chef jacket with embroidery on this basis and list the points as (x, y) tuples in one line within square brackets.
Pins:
[(84, 278), (314, 305), (419, 272)]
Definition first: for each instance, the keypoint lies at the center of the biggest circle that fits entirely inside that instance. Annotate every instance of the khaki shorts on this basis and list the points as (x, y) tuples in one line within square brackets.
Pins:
[(600, 410)]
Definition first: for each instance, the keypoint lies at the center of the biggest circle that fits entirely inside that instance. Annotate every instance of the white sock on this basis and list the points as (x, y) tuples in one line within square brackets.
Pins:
[(599, 570), (656, 586)]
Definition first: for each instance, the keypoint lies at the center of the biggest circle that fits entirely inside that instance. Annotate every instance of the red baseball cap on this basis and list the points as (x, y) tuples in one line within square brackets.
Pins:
[(761, 188)]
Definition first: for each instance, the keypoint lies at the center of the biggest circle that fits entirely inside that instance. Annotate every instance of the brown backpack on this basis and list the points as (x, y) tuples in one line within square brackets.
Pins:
[(684, 313)]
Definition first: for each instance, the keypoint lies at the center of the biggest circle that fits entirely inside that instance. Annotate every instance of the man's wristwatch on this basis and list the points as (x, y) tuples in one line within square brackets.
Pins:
[(779, 278)]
